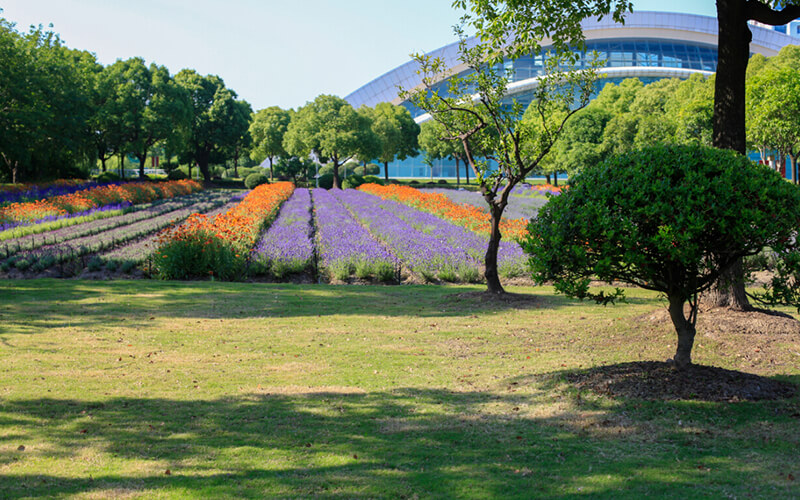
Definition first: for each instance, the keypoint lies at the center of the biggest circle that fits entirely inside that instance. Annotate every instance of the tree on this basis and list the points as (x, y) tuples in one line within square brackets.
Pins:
[(217, 121), (619, 222), (580, 145), (473, 112), (773, 112), (330, 128), (396, 131), (267, 129), (295, 168), (733, 50), (243, 142), (151, 106)]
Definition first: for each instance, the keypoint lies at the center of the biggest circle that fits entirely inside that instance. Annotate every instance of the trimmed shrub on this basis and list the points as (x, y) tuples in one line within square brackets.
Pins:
[(256, 179), (352, 182), (371, 179), (326, 181), (177, 175), (108, 177)]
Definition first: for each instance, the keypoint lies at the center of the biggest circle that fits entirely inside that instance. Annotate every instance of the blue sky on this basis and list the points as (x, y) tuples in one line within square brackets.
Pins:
[(271, 52)]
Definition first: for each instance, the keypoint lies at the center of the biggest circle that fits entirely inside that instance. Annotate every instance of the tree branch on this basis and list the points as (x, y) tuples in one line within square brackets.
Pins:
[(762, 13)]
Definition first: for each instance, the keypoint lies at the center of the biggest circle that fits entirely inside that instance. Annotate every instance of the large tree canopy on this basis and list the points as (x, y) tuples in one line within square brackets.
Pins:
[(330, 128), (217, 121), (268, 127), (396, 133)]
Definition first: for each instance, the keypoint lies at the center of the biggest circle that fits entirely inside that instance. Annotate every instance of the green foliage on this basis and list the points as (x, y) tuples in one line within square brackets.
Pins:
[(219, 123), (330, 128), (352, 182), (256, 179), (267, 129), (110, 177), (395, 132), (369, 169), (620, 221), (325, 181), (371, 179), (295, 169), (176, 175)]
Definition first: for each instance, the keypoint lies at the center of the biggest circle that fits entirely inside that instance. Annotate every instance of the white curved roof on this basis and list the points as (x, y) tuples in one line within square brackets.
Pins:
[(650, 25)]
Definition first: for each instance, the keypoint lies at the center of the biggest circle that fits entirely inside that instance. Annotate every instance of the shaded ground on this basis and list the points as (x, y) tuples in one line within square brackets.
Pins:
[(660, 381)]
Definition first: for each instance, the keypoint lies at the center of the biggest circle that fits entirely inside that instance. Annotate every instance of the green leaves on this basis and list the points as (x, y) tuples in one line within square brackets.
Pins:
[(666, 218)]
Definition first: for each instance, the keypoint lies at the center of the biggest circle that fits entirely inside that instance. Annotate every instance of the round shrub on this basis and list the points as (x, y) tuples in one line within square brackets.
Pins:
[(256, 179), (177, 175), (352, 182), (666, 218), (414, 183), (371, 179), (441, 181), (108, 177), (326, 181)]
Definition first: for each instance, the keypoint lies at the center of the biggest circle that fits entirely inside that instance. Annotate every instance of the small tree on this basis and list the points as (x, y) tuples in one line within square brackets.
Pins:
[(330, 128), (267, 129), (665, 218), (474, 112), (396, 132)]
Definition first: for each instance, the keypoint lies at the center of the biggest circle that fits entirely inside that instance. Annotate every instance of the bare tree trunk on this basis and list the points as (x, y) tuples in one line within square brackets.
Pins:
[(733, 53), (466, 171), (386, 171), (685, 328), (547, 178), (555, 178), (490, 261), (793, 159), (336, 183), (458, 173), (271, 173)]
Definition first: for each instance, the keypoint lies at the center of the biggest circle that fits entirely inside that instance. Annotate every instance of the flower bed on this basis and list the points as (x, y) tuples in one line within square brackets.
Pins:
[(219, 246), (286, 247), (438, 204), (429, 256), (15, 193), (344, 246), (511, 259), (133, 193)]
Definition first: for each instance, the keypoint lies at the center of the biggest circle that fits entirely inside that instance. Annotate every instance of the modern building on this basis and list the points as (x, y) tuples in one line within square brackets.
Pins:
[(649, 46)]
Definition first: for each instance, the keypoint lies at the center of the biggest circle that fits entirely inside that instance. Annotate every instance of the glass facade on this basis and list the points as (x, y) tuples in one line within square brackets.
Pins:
[(629, 53)]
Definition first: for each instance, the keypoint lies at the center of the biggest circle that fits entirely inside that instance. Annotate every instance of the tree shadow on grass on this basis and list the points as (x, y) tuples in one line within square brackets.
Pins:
[(430, 443), (41, 304)]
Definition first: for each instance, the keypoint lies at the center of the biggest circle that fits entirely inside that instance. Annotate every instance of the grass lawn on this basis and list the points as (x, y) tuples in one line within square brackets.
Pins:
[(220, 390)]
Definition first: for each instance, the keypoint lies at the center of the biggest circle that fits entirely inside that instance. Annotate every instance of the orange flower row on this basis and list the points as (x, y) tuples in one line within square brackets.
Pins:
[(26, 186), (134, 193), (219, 245), (440, 205)]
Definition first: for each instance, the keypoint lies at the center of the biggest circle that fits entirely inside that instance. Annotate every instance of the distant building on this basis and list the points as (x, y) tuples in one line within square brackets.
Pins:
[(649, 46)]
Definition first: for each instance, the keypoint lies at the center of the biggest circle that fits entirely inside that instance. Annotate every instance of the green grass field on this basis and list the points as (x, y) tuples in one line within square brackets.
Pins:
[(234, 390)]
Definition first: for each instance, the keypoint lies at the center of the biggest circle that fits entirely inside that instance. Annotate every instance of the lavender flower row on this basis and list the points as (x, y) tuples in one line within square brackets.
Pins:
[(344, 246), (425, 254), (53, 218), (140, 212), (92, 243), (40, 193), (286, 247)]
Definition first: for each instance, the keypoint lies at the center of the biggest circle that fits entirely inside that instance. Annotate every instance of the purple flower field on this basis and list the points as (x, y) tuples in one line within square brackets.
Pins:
[(429, 256), (345, 247), (286, 247)]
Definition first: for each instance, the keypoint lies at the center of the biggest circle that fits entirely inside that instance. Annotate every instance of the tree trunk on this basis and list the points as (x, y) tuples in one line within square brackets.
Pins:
[(336, 183), (490, 261), (386, 171), (236, 162), (458, 173), (547, 179), (202, 163), (142, 160), (466, 171), (685, 330), (793, 159), (122, 165), (733, 52), (271, 173), (555, 178)]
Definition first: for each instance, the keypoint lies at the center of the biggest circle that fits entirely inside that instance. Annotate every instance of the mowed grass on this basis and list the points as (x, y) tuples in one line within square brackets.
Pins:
[(224, 390)]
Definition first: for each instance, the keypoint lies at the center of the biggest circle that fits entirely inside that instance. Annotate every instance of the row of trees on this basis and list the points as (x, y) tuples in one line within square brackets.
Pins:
[(60, 108), (331, 130)]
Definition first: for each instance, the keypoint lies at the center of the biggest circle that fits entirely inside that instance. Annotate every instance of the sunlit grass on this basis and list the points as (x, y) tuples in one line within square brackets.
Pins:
[(253, 390)]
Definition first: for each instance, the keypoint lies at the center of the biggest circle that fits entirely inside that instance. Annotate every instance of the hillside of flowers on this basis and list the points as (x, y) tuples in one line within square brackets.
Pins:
[(84, 201)]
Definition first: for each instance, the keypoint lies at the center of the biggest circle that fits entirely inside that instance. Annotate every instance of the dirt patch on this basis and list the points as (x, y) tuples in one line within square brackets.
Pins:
[(659, 381), (722, 321), (517, 300)]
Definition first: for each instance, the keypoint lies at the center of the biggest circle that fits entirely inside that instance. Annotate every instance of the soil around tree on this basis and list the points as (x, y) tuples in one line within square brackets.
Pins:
[(660, 381), (720, 321)]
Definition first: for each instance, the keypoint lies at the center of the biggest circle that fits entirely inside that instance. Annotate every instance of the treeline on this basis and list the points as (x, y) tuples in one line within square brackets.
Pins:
[(632, 115), (61, 110)]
